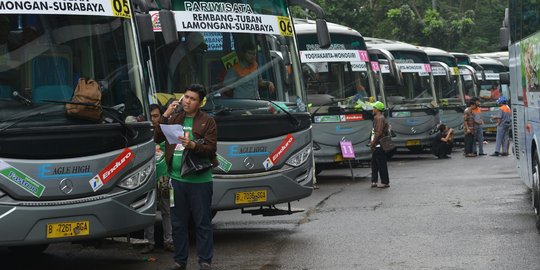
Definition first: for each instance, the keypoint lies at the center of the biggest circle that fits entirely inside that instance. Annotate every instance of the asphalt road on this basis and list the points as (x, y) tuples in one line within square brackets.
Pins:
[(460, 213)]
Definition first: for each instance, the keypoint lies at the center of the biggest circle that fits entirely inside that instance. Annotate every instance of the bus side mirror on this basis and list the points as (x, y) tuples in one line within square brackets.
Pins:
[(322, 34), (168, 27), (285, 54), (504, 35), (504, 78), (143, 20)]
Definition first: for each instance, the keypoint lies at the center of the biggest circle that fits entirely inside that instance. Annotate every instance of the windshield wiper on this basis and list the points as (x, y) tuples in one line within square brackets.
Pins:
[(110, 111), (294, 120), (17, 119)]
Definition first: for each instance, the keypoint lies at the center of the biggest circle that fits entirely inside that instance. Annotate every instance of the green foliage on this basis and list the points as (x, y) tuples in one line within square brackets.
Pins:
[(454, 25)]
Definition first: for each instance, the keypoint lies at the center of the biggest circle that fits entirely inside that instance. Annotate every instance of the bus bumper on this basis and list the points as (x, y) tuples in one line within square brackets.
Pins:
[(290, 184), (26, 224), (325, 154)]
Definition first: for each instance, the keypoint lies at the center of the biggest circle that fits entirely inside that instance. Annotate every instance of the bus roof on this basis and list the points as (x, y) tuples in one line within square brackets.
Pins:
[(431, 51), (391, 45), (304, 26), (485, 61), (500, 56)]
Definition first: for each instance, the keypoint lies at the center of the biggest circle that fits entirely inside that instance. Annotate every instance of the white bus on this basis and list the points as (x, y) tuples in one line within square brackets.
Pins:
[(449, 89), (64, 178), (265, 138), (521, 35), (338, 81), (413, 109)]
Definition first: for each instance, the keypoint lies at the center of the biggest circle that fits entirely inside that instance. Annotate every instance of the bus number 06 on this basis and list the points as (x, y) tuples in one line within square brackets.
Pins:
[(285, 26), (121, 6)]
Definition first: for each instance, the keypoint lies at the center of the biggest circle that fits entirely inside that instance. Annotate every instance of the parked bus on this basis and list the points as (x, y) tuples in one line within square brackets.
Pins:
[(62, 177), (264, 133), (520, 34), (338, 81), (449, 89), (410, 93), (489, 90), (468, 74)]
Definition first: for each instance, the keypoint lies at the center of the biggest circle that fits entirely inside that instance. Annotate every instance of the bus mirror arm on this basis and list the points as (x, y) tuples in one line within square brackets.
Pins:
[(145, 29), (322, 29)]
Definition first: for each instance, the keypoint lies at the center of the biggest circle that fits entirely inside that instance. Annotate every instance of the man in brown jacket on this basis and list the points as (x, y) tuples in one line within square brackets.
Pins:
[(378, 158), (192, 193)]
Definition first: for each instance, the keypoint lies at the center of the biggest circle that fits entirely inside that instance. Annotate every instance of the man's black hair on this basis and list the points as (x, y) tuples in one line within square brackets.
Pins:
[(199, 89), (472, 102), (248, 46), (156, 106), (442, 127)]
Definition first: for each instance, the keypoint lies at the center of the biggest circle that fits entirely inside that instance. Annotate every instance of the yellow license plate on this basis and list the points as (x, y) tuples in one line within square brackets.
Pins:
[(68, 229), (413, 142), (338, 158), (255, 196), (491, 129)]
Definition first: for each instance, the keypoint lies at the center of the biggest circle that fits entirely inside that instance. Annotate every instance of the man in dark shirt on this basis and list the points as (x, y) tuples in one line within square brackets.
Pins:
[(378, 158), (468, 128), (443, 143)]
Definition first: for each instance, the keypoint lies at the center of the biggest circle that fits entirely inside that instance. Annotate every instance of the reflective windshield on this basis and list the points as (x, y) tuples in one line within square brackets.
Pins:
[(446, 88), (489, 90), (337, 78), (239, 50), (42, 57), (416, 85)]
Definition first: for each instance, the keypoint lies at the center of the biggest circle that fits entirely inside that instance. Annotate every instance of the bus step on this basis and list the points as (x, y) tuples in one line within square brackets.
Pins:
[(270, 211)]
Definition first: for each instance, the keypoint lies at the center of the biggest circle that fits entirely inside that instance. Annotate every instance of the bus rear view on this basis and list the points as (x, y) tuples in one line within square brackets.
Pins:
[(68, 177)]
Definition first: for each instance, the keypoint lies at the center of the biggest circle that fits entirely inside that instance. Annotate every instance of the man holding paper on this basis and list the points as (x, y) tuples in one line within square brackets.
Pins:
[(193, 193)]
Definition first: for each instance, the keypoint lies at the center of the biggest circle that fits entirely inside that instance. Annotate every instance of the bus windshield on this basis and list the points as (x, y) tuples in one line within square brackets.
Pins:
[(238, 54), (489, 90), (447, 91), (42, 58), (416, 88), (327, 81)]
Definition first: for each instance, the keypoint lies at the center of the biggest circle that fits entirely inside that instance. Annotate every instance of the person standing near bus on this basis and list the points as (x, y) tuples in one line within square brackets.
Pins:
[(378, 157), (192, 194), (468, 128), (162, 193), (242, 79), (478, 130), (504, 122)]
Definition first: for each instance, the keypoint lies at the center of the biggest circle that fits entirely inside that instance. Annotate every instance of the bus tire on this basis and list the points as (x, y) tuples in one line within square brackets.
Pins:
[(33, 249), (536, 188)]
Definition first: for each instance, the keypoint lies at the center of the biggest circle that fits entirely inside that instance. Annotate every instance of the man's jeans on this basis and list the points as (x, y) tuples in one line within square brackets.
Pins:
[(195, 200), (502, 138), (479, 138)]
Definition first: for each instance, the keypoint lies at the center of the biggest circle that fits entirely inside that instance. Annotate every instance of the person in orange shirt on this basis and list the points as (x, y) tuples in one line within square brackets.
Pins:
[(243, 79), (495, 93), (478, 130)]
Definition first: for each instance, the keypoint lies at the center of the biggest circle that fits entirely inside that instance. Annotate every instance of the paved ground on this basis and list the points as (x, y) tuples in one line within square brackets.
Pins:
[(460, 213)]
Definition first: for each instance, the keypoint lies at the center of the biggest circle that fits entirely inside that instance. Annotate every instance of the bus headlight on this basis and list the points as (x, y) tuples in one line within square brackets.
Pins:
[(139, 177), (301, 157)]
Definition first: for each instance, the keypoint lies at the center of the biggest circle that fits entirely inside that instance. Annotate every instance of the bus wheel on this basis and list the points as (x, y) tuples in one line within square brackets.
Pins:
[(536, 188), (34, 249)]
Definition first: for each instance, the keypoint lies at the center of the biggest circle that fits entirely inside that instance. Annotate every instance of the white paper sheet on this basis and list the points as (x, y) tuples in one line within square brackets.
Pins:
[(172, 132)]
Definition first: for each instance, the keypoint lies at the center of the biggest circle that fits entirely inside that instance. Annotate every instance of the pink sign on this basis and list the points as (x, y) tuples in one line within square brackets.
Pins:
[(375, 66), (427, 67), (347, 150), (363, 56)]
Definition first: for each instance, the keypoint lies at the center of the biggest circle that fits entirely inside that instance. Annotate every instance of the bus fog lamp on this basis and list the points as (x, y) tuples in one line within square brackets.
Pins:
[(139, 177), (301, 157)]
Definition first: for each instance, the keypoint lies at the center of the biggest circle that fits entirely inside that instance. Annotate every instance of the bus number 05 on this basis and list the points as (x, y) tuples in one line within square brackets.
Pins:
[(121, 6), (285, 26)]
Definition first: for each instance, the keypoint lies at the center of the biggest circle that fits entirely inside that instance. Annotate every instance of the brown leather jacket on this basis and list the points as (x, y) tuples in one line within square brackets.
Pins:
[(204, 127)]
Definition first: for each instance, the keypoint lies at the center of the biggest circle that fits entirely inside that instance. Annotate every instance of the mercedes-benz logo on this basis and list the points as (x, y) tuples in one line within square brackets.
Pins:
[(413, 130), (66, 186), (249, 163)]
